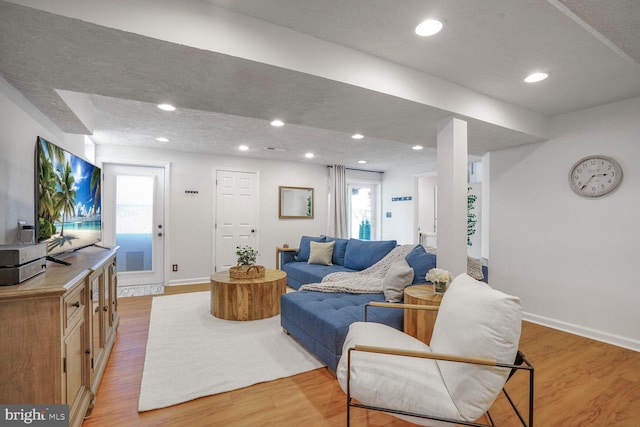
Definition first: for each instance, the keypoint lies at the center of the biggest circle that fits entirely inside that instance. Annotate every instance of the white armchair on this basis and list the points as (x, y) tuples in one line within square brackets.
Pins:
[(455, 379)]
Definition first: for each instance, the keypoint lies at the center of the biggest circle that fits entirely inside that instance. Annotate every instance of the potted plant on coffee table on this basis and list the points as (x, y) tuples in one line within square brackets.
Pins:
[(246, 268)]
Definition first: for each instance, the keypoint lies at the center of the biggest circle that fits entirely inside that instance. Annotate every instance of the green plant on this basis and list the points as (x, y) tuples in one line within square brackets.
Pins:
[(246, 255), (471, 217)]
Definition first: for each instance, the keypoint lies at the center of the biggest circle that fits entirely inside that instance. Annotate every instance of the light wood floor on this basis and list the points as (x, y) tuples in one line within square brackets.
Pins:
[(578, 382)]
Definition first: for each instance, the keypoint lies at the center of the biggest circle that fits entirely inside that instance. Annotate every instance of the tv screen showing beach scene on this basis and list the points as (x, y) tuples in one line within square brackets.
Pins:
[(68, 202)]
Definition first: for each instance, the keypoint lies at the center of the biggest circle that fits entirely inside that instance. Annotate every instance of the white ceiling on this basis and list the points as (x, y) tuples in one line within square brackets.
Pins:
[(590, 48)]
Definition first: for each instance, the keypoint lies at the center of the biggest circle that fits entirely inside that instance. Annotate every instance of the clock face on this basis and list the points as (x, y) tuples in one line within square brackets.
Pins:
[(595, 176)]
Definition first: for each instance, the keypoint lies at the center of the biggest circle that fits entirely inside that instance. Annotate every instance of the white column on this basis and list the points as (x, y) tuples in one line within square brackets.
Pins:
[(452, 196)]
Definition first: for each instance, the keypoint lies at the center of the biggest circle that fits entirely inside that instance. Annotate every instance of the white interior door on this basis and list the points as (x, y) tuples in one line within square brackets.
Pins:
[(134, 202), (236, 215)]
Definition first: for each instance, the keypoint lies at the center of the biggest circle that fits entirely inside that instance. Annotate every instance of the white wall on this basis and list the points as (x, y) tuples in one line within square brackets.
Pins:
[(572, 260), (190, 224), (400, 182)]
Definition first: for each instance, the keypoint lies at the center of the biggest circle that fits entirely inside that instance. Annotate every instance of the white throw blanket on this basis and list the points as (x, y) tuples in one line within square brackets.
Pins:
[(368, 281)]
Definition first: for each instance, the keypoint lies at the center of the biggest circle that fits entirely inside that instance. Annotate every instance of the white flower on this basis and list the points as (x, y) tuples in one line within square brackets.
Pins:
[(438, 275)]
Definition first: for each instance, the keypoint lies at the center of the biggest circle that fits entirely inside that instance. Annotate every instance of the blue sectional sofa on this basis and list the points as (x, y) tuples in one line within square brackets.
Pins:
[(320, 320)]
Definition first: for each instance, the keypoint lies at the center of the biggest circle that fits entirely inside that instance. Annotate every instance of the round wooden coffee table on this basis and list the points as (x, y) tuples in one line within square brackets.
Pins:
[(247, 299)]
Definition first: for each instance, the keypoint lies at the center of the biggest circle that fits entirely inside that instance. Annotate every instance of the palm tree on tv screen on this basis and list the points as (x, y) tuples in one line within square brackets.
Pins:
[(48, 211), (66, 194), (95, 189), (47, 190)]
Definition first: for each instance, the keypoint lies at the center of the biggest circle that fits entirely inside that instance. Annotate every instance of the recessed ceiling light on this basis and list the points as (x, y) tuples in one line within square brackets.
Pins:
[(277, 123), (166, 107), (417, 147), (429, 27), (362, 162), (536, 77), (162, 139), (309, 155), (243, 148), (357, 136)]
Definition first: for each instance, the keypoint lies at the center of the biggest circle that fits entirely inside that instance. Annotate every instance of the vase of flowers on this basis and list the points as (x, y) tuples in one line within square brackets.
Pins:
[(246, 268), (440, 278)]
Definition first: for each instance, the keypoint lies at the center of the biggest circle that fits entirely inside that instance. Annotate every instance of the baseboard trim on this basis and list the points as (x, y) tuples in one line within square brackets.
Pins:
[(181, 289), (593, 334), (193, 281)]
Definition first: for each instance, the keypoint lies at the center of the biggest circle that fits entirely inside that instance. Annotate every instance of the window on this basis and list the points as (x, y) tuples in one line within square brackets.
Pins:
[(363, 210)]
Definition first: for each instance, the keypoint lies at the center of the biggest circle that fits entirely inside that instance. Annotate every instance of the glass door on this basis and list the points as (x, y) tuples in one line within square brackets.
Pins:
[(136, 194)]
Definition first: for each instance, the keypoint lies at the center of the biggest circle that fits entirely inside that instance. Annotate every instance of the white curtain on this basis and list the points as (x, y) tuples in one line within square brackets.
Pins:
[(338, 202)]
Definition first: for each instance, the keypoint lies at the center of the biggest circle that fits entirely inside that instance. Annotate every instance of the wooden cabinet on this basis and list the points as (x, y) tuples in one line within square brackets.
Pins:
[(55, 344)]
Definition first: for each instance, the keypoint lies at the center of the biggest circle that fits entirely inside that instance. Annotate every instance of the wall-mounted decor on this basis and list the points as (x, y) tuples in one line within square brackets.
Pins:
[(595, 176), (295, 202)]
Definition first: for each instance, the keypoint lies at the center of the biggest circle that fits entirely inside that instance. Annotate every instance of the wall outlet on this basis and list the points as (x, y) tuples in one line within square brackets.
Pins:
[(175, 267)]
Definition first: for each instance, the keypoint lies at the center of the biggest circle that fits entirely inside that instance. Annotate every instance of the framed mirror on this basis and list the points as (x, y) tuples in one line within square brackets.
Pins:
[(295, 202)]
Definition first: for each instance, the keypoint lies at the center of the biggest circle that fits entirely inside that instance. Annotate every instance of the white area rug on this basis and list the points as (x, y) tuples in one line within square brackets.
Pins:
[(191, 354)]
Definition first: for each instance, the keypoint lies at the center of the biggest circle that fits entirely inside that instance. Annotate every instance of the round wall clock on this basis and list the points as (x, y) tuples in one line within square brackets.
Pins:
[(595, 176)]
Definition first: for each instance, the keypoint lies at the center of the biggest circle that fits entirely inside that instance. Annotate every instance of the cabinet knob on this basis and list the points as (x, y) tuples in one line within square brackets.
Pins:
[(76, 304), (87, 351), (105, 308)]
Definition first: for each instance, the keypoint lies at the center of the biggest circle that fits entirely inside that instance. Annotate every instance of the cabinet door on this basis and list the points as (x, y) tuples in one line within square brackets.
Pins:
[(111, 283), (75, 365), (106, 302), (97, 329)]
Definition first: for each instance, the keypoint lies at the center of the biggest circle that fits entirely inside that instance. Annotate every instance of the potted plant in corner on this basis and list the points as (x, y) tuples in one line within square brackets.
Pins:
[(246, 268)]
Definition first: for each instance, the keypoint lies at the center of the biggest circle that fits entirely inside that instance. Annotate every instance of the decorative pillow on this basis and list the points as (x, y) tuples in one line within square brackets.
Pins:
[(361, 254), (474, 268), (304, 248), (320, 253), (421, 262), (398, 277), (338, 250)]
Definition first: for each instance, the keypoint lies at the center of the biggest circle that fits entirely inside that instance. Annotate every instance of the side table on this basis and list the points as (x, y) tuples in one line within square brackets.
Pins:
[(282, 249), (419, 323)]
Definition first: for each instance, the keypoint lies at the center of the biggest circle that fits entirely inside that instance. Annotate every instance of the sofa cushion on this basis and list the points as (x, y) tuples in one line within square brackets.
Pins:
[(421, 262), (320, 253), (304, 273), (338, 250), (362, 254), (398, 277), (305, 248)]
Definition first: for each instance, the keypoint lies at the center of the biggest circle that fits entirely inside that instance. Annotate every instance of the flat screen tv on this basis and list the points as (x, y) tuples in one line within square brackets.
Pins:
[(68, 202)]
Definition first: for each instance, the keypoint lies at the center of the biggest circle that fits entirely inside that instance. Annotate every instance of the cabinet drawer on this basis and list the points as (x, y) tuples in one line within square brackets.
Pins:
[(73, 305)]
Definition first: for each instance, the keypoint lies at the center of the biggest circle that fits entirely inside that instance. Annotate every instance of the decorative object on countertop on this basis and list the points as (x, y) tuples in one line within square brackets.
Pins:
[(439, 278)]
